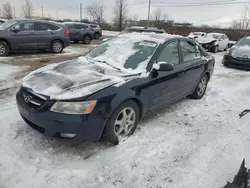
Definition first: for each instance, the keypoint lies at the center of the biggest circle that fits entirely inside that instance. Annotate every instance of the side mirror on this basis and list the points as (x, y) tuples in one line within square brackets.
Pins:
[(163, 66), (15, 30)]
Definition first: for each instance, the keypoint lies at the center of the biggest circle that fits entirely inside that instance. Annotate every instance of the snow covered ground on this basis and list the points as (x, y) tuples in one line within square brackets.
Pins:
[(109, 33), (190, 144)]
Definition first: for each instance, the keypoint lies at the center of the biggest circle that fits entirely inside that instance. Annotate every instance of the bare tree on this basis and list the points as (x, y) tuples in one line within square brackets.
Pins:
[(96, 11), (7, 11), (27, 9), (158, 15), (120, 13)]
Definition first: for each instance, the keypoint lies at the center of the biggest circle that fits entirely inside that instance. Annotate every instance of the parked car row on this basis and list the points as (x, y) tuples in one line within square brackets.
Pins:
[(24, 34)]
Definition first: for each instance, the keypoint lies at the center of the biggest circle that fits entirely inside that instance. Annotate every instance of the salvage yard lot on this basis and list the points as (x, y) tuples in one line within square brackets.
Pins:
[(188, 144)]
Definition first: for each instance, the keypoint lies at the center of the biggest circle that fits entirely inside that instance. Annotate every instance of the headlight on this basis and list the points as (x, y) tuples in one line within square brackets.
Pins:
[(74, 107)]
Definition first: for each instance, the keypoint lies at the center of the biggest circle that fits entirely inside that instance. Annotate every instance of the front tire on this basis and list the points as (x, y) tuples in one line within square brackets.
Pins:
[(4, 49), (122, 122), (226, 48), (87, 39), (57, 46), (215, 49), (201, 88)]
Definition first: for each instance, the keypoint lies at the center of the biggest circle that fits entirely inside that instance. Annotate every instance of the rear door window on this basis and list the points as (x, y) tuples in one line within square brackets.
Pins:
[(45, 27), (81, 26), (70, 26)]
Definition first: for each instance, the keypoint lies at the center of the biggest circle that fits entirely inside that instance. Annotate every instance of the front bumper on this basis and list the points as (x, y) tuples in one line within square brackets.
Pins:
[(208, 47), (84, 127), (238, 63)]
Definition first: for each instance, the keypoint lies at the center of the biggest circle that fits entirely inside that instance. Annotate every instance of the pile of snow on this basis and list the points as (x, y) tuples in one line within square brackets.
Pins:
[(241, 51)]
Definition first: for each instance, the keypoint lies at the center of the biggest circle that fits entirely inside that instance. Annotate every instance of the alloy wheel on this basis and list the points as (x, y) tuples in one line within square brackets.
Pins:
[(125, 122), (2, 49), (87, 39), (57, 47), (202, 86)]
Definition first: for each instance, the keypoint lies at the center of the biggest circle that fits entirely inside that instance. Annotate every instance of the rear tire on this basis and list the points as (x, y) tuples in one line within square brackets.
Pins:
[(57, 46), (87, 39), (201, 88), (4, 49), (97, 36), (122, 122)]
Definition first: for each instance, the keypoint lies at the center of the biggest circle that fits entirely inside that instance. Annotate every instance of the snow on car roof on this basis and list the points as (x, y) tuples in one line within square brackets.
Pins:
[(216, 33), (158, 38)]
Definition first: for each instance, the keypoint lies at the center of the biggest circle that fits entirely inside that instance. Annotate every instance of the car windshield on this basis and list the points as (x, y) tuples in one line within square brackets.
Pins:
[(7, 24), (213, 35), (124, 53), (244, 41)]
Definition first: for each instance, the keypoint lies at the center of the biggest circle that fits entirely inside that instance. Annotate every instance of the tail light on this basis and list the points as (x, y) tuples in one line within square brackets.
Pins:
[(66, 32)]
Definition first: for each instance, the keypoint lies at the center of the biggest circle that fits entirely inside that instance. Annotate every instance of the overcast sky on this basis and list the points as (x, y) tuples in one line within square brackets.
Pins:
[(213, 15)]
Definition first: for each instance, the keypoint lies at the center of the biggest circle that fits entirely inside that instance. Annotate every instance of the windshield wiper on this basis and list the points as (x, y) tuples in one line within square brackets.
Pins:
[(109, 64)]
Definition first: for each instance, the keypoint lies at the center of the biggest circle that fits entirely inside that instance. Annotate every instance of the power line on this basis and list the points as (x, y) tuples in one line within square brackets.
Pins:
[(193, 4)]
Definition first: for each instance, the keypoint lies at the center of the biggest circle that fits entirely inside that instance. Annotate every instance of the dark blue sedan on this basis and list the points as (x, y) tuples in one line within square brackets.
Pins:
[(104, 94)]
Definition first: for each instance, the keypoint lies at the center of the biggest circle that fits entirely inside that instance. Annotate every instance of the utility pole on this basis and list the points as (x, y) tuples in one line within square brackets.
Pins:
[(149, 6), (80, 12), (42, 11)]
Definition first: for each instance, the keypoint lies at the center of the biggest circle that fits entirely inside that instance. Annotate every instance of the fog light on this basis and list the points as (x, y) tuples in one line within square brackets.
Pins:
[(67, 135)]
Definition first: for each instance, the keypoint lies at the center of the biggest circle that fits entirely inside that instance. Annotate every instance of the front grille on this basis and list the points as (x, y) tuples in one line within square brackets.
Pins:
[(31, 99)]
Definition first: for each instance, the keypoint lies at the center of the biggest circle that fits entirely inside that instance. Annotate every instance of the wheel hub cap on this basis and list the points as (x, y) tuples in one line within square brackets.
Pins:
[(2, 49), (125, 122)]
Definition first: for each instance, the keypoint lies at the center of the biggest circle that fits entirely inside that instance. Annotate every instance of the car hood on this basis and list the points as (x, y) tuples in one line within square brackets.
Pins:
[(74, 79), (241, 51), (204, 40)]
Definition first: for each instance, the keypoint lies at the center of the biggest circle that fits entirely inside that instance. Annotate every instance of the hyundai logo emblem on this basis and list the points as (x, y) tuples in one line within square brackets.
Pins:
[(27, 99)]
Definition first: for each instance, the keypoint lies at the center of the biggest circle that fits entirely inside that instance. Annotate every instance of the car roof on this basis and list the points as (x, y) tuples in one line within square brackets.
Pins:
[(75, 23), (34, 20)]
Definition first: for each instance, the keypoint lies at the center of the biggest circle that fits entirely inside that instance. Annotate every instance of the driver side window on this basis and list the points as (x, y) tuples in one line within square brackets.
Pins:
[(28, 26), (170, 54)]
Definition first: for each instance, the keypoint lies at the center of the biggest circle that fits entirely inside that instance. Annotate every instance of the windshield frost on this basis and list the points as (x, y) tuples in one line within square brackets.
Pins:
[(124, 53)]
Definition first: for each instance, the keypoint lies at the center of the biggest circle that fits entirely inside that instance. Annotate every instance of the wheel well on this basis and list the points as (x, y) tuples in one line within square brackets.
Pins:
[(4, 40), (58, 40), (140, 105), (208, 75)]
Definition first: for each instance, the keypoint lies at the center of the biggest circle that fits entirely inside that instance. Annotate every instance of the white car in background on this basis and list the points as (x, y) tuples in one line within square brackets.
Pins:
[(213, 42), (197, 34)]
